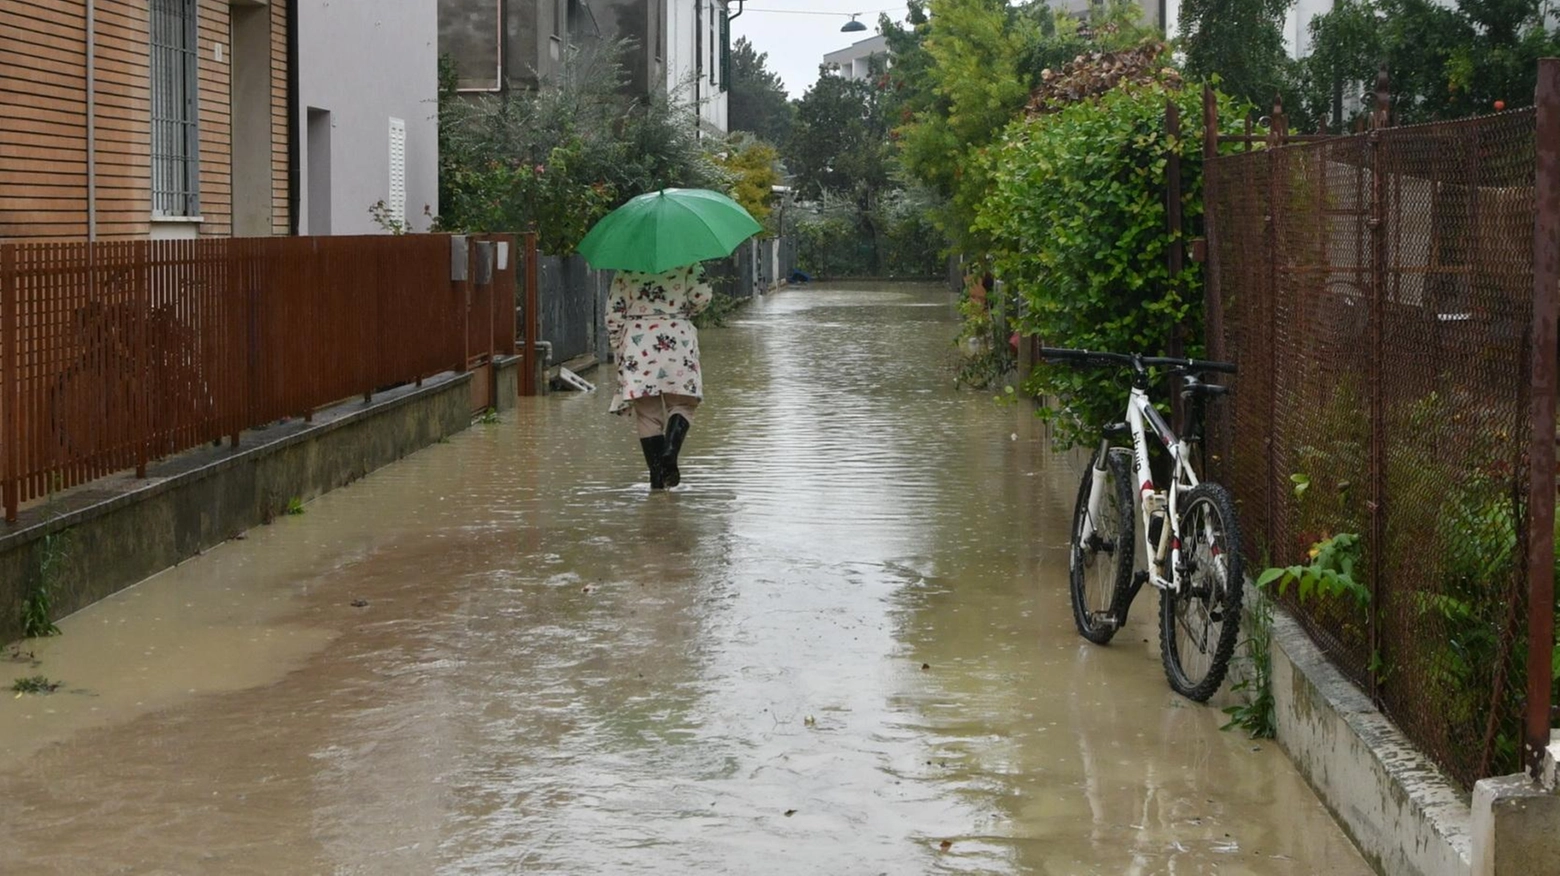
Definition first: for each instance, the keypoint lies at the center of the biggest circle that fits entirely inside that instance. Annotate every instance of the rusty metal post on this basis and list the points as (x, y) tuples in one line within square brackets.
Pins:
[(1213, 301), (463, 302), (1381, 114), (1378, 283), (1541, 453), (1176, 256), (1278, 123), (532, 319), (12, 382), (144, 250), (235, 306), (1270, 258)]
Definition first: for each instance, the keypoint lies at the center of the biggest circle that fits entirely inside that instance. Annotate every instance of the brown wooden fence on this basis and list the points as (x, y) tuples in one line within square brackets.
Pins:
[(115, 354)]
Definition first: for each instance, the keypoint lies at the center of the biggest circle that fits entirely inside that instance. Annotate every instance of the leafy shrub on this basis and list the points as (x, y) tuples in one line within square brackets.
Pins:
[(1077, 220)]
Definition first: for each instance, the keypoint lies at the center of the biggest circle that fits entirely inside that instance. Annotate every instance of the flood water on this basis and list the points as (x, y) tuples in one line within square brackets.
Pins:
[(842, 647)]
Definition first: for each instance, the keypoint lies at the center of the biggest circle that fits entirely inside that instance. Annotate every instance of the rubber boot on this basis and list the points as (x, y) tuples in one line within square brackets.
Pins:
[(676, 431), (655, 458)]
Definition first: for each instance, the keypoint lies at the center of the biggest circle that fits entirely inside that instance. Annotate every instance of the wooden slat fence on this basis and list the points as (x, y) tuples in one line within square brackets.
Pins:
[(115, 354)]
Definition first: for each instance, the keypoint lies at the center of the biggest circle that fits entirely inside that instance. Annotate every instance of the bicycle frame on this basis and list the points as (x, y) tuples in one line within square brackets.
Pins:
[(1142, 416)]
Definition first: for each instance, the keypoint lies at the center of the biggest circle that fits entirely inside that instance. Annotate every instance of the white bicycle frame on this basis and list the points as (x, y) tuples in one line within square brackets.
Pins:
[(1150, 499)]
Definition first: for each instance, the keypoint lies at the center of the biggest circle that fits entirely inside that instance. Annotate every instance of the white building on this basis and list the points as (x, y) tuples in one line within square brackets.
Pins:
[(368, 89), (698, 57), (1155, 12), (855, 61)]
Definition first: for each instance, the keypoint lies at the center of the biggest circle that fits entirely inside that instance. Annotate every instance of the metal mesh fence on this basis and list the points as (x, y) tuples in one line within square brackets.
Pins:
[(1377, 292)]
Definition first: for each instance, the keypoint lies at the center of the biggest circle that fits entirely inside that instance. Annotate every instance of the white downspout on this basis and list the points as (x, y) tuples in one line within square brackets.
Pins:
[(92, 120)]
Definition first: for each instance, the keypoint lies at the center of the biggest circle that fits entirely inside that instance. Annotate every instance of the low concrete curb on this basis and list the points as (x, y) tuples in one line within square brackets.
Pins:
[(1401, 811), (112, 533)]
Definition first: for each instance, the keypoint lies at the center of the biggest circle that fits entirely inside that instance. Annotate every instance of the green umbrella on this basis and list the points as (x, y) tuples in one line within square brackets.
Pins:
[(658, 231)]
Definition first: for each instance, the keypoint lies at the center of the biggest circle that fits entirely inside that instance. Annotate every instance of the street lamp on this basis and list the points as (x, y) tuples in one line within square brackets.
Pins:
[(853, 26)]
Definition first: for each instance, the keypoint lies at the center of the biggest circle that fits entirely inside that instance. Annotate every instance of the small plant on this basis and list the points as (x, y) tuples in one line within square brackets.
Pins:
[(38, 602), (380, 212), (36, 684), (488, 417), (1257, 713), (1329, 574), (294, 506)]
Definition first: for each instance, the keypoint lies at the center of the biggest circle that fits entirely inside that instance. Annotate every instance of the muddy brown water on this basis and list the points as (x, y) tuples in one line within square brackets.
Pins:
[(842, 644)]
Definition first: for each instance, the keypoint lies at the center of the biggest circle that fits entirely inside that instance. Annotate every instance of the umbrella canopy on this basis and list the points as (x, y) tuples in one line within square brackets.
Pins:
[(658, 231)]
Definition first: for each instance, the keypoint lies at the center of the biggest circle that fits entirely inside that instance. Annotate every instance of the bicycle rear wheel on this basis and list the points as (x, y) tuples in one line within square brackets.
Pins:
[(1200, 618), (1100, 568)]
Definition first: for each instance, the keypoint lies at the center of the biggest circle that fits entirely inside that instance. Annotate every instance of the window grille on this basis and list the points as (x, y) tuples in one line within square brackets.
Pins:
[(175, 100)]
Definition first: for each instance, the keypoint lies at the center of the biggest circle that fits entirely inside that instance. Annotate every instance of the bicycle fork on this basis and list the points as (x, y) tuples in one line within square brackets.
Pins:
[(1096, 493)]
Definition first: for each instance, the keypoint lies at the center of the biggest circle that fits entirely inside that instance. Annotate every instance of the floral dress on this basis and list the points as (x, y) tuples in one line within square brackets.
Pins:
[(649, 322)]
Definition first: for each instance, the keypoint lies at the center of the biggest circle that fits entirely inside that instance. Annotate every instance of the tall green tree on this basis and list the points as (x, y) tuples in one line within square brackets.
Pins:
[(757, 98), (839, 148), (963, 69), (1240, 41), (1444, 61), (973, 88)]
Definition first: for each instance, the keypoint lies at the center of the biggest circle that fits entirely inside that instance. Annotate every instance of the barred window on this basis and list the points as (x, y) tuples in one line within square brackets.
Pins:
[(175, 97)]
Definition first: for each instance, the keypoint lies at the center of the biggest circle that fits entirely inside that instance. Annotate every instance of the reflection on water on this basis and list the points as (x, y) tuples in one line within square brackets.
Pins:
[(842, 644)]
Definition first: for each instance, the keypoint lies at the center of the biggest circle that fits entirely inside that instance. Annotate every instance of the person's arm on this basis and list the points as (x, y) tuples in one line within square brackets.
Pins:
[(700, 293), (617, 312)]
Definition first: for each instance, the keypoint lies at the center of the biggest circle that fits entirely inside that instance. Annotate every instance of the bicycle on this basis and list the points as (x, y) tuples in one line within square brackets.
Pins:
[(1195, 562)]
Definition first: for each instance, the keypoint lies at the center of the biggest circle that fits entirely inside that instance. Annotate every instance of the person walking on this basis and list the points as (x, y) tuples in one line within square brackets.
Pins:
[(656, 347)]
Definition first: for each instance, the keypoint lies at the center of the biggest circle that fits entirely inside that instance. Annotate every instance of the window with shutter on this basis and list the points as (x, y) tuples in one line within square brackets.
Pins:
[(397, 200)]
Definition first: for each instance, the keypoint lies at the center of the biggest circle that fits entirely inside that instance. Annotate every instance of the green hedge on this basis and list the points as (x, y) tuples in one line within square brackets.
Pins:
[(1077, 218)]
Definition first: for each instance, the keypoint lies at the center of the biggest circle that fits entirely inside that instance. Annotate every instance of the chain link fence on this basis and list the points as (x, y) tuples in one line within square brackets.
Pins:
[(1377, 291)]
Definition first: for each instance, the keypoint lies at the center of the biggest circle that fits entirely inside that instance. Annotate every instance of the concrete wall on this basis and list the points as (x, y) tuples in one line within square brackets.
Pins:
[(1404, 814), (365, 64), (112, 534)]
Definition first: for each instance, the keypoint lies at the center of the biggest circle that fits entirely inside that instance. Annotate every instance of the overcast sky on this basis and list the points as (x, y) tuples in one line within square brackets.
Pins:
[(796, 41)]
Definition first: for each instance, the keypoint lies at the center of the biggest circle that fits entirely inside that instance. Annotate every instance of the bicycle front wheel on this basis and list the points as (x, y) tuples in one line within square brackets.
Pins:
[(1100, 566), (1199, 617)]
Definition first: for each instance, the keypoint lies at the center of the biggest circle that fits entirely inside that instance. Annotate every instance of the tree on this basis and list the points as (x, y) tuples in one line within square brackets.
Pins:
[(965, 68), (1444, 62), (754, 169), (839, 146), (560, 156), (757, 98), (1242, 41), (974, 88)]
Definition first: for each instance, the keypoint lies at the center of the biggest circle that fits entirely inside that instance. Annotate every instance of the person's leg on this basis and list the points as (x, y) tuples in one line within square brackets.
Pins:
[(681, 405), (649, 421), (679, 416), (650, 416)]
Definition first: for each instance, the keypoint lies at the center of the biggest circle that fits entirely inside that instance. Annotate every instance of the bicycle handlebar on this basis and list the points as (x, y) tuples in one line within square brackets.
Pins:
[(1100, 357)]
